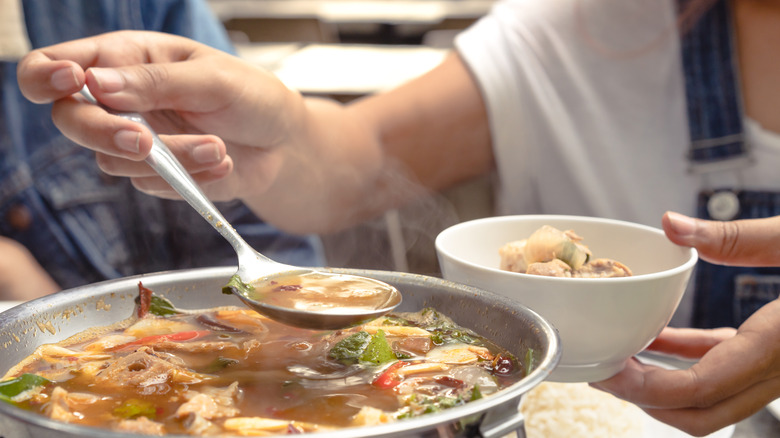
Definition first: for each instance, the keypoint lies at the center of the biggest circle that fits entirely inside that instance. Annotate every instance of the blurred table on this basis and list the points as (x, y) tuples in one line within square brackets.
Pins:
[(353, 11), (342, 69)]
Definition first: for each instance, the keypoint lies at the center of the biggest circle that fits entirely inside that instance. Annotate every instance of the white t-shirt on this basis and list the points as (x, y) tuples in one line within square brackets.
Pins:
[(587, 111)]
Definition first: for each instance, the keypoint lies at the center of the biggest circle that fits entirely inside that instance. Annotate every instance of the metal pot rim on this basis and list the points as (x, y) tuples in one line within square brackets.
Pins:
[(88, 294)]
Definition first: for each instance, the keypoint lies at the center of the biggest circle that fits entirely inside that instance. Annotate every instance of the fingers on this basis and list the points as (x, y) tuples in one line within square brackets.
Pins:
[(697, 420), (733, 379), (43, 80), (705, 383), (750, 242), (197, 153), (57, 71), (689, 343), (703, 421), (147, 87), (91, 126), (156, 186), (204, 157)]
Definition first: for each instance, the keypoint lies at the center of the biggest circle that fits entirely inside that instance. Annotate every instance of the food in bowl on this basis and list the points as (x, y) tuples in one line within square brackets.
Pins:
[(230, 370), (555, 253), (602, 322)]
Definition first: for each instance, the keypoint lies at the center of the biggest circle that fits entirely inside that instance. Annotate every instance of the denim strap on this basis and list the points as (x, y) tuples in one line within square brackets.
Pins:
[(712, 91)]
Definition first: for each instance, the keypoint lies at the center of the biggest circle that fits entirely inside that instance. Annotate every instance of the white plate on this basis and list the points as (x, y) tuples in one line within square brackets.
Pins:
[(5, 305), (774, 408), (655, 429)]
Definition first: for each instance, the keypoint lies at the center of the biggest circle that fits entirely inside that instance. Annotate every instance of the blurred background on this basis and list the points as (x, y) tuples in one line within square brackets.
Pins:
[(348, 49)]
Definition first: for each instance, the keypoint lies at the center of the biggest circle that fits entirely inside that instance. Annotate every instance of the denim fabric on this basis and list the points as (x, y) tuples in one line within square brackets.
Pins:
[(711, 89), (85, 226), (727, 296), (723, 296)]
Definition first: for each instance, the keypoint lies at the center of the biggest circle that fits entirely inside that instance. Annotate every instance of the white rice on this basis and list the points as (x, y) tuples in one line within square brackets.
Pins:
[(570, 410)]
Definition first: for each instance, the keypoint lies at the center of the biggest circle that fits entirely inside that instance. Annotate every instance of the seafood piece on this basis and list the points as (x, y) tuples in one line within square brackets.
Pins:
[(548, 243), (513, 256), (602, 268), (553, 268)]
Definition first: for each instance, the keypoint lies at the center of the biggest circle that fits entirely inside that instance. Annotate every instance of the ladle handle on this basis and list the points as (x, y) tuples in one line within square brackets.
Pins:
[(170, 169)]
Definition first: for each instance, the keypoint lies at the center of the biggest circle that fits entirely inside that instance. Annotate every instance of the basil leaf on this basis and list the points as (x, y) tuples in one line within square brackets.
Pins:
[(162, 307), (13, 387), (236, 286)]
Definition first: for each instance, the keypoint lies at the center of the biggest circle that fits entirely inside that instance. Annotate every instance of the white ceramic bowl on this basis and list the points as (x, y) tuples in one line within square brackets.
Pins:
[(601, 322)]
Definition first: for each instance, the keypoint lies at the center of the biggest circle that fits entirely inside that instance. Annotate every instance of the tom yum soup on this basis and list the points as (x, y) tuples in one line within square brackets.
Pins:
[(231, 371)]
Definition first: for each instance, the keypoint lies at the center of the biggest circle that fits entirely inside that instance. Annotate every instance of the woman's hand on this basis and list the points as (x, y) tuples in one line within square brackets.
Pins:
[(21, 277), (738, 371)]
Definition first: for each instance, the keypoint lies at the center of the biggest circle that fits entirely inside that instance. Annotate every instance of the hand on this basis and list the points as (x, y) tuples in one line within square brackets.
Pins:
[(306, 165), (738, 371), (21, 277), (175, 83)]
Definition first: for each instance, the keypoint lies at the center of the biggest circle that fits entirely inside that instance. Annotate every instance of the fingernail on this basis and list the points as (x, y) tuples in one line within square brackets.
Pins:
[(683, 225), (206, 153), (128, 140), (108, 79), (64, 79)]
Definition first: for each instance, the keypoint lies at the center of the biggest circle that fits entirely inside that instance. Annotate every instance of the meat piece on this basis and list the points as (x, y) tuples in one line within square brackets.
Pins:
[(141, 425), (146, 370), (197, 425), (63, 405), (58, 408), (602, 268), (554, 268), (213, 403), (512, 256), (415, 346), (195, 347)]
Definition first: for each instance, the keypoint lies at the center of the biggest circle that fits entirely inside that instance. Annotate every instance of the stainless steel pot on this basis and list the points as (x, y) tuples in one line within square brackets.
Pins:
[(512, 326)]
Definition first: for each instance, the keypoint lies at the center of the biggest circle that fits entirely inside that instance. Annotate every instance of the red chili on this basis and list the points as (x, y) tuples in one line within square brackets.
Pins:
[(144, 300), (390, 378), (177, 337)]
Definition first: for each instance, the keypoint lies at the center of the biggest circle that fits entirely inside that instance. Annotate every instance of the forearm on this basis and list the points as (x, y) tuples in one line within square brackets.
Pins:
[(352, 162), (329, 167)]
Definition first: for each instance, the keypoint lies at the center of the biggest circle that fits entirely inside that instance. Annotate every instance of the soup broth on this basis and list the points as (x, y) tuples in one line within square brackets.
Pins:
[(231, 371)]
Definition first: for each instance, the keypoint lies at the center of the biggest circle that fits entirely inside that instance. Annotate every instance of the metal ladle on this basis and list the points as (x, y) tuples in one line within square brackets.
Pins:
[(257, 275)]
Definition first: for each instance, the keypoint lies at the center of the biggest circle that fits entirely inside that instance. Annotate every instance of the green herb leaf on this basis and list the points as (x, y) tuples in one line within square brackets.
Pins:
[(219, 364), (378, 350), (236, 286), (349, 350), (13, 387), (529, 361), (162, 307), (476, 394), (134, 408)]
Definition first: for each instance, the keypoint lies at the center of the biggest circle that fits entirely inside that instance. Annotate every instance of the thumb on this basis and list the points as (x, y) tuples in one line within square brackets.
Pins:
[(747, 242), (148, 87)]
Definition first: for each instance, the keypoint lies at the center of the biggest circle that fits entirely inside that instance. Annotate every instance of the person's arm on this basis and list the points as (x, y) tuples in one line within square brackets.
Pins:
[(21, 276), (738, 371), (303, 164)]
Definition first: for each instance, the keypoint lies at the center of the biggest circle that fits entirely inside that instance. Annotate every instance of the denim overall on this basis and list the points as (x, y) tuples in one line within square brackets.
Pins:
[(723, 296), (82, 225)]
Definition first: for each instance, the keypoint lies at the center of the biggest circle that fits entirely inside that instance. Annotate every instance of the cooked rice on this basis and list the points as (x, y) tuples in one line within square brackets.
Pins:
[(568, 410)]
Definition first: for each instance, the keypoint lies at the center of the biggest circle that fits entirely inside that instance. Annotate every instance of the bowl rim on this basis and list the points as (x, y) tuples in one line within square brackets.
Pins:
[(409, 427), (689, 263)]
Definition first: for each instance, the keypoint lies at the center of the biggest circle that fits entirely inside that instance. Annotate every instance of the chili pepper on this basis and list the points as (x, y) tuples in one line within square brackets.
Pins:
[(144, 300), (390, 378)]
